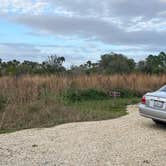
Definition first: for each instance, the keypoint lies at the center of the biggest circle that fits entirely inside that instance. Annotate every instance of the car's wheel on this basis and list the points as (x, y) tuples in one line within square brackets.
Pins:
[(157, 121)]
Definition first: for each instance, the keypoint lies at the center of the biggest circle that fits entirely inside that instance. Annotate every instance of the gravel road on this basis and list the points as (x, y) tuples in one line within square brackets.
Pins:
[(128, 141)]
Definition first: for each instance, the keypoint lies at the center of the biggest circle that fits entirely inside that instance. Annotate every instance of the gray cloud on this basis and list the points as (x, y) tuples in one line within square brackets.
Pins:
[(20, 51), (23, 51), (117, 8), (92, 28), (121, 22)]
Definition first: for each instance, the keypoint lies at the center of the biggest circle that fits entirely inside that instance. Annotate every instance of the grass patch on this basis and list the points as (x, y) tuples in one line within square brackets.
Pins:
[(79, 95), (103, 109), (8, 131), (47, 111), (128, 93)]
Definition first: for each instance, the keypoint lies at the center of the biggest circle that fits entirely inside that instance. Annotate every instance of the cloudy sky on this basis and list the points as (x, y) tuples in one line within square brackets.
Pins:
[(81, 30)]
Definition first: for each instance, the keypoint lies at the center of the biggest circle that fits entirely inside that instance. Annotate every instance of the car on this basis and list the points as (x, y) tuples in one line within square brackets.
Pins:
[(153, 105)]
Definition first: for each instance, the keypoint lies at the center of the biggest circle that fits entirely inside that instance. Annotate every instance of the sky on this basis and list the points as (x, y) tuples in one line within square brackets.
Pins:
[(81, 30)]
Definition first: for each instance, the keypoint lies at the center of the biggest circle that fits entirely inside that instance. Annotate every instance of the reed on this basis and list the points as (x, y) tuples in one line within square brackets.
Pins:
[(31, 101), (30, 88)]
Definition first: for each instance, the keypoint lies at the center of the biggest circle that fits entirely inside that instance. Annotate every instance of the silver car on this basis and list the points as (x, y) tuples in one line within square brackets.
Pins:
[(153, 105)]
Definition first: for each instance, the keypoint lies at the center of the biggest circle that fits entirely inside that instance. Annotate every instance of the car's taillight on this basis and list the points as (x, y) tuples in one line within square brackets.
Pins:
[(143, 101)]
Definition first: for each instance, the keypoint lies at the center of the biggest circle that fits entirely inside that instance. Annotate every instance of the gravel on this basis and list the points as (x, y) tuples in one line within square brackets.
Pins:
[(128, 141)]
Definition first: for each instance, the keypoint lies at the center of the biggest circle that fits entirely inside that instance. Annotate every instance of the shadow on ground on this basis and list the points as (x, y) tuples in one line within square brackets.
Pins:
[(155, 126)]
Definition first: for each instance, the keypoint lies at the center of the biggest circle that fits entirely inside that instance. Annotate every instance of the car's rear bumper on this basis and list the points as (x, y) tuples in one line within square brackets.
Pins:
[(152, 113)]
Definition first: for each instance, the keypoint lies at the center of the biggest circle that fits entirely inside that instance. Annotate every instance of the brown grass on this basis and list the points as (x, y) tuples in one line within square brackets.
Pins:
[(29, 93), (30, 88)]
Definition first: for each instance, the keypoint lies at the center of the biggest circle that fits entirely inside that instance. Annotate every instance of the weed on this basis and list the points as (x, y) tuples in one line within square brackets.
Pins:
[(78, 95), (3, 102)]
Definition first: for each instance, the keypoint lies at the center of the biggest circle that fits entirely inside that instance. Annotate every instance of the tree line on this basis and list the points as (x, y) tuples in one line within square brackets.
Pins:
[(111, 63), (114, 63)]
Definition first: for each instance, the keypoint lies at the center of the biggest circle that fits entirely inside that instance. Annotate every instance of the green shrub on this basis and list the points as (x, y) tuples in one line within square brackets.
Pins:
[(77, 95), (127, 93)]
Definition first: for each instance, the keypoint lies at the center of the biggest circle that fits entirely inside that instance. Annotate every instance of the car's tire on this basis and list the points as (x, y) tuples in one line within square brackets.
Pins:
[(158, 121)]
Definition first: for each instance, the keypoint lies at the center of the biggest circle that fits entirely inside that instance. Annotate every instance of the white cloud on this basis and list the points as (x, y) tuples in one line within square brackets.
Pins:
[(23, 6)]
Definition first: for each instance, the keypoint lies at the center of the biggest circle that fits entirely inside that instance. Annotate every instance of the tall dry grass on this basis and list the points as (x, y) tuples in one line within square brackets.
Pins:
[(30, 88), (27, 101)]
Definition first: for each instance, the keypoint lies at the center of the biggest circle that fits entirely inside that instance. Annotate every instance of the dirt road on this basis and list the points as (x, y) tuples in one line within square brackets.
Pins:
[(129, 141)]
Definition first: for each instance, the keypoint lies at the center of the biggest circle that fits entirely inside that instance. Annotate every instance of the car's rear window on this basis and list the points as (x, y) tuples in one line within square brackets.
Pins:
[(163, 89)]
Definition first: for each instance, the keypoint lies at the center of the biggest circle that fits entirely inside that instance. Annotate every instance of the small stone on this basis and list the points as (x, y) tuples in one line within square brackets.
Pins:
[(34, 145), (146, 161)]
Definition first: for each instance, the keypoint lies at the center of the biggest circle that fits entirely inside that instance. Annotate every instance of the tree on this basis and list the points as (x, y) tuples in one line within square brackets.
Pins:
[(156, 64), (89, 64), (141, 66), (54, 64), (116, 63)]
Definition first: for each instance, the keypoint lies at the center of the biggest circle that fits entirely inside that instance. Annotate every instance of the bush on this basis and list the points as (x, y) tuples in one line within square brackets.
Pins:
[(127, 93), (77, 95)]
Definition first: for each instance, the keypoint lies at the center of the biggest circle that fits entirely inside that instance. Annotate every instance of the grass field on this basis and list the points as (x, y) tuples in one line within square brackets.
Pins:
[(41, 114), (103, 109), (30, 88), (38, 101)]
